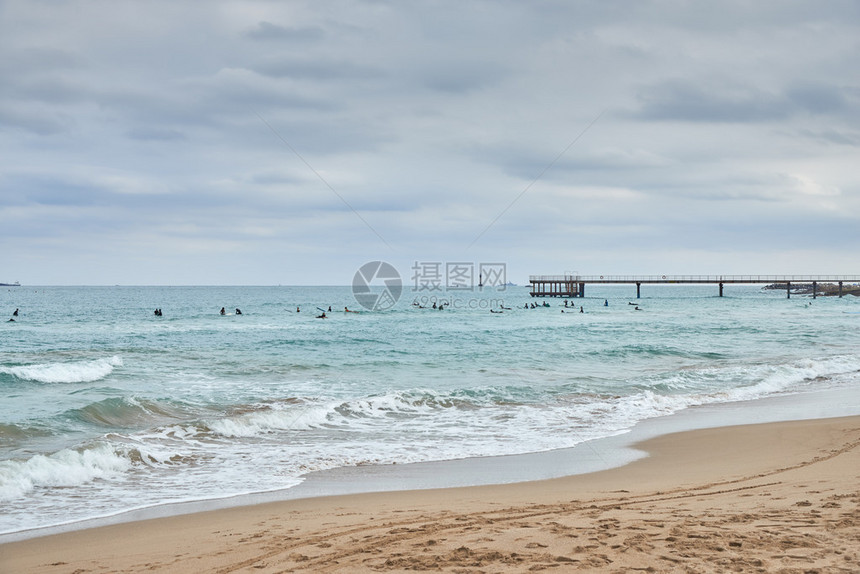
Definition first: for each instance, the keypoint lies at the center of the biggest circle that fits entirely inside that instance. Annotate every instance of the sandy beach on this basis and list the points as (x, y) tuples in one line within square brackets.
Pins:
[(777, 497)]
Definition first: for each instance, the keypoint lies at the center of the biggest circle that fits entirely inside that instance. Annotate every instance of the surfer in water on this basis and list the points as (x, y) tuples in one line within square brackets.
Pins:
[(322, 316), (223, 312), (238, 311), (15, 314)]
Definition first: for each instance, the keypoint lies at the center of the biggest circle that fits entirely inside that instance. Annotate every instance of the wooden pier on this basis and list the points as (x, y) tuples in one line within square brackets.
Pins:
[(554, 286), (574, 285)]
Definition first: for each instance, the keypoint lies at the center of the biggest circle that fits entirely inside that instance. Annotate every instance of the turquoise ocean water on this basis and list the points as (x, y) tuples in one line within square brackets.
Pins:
[(106, 407)]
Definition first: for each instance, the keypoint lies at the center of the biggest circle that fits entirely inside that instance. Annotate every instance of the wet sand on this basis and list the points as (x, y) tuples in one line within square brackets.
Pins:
[(776, 497)]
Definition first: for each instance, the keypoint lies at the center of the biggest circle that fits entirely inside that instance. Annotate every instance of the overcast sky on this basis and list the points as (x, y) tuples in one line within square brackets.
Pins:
[(166, 142)]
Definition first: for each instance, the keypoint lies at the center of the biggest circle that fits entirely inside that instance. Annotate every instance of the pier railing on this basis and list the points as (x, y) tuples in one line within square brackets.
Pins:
[(574, 285), (695, 278)]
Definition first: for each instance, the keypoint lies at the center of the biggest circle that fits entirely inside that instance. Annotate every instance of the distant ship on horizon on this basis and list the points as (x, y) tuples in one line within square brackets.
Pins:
[(15, 284)]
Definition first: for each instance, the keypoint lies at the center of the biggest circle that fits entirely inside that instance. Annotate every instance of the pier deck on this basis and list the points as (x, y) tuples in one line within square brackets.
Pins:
[(574, 285)]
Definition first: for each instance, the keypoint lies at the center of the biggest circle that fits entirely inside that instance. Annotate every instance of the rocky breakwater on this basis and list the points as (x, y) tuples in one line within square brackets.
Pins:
[(821, 289)]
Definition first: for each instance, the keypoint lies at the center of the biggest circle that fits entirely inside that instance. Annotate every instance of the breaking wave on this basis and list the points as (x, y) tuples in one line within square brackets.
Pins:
[(78, 372)]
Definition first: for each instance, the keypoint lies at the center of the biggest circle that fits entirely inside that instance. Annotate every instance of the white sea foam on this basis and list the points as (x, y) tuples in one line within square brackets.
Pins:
[(495, 415), (334, 414), (271, 419), (79, 372), (62, 469)]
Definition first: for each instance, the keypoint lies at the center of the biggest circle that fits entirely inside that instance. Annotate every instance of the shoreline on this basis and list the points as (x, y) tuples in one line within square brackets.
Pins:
[(607, 453), (763, 496)]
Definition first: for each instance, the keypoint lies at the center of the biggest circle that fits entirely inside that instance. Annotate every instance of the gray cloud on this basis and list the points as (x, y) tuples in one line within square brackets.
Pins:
[(31, 119), (269, 31), (822, 99), (834, 136), (690, 101), (459, 77), (132, 134), (155, 134), (315, 69)]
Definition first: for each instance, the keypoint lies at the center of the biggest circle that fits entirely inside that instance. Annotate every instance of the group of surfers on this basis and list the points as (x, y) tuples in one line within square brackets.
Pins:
[(323, 315), (439, 307), (238, 311)]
